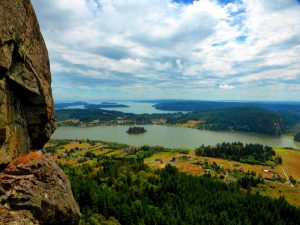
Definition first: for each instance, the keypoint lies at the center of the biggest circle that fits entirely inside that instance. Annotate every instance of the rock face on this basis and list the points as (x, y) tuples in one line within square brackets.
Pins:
[(20, 217), (35, 190), (26, 104)]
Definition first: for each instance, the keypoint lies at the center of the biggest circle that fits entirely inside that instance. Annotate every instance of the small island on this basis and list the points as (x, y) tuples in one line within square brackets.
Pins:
[(136, 130), (297, 137)]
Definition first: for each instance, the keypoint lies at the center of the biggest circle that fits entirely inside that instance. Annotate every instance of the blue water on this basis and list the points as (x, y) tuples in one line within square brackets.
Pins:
[(134, 107)]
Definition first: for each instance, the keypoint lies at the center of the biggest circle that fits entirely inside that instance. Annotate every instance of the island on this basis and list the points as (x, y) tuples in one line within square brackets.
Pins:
[(297, 137), (136, 130)]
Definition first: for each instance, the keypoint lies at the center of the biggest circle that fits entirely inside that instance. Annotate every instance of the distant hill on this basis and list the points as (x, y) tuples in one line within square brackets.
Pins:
[(288, 111), (88, 115), (194, 106), (250, 119), (202, 106)]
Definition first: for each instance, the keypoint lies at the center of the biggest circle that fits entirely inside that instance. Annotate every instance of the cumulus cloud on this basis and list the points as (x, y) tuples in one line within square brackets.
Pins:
[(157, 48)]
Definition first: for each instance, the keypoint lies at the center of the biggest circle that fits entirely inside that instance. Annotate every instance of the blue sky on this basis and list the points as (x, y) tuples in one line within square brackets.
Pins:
[(183, 49)]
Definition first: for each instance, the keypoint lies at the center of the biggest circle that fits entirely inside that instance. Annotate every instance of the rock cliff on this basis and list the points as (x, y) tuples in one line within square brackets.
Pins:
[(26, 104), (33, 189)]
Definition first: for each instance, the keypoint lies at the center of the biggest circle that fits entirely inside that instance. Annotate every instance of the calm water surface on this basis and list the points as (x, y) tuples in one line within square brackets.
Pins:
[(134, 107), (139, 108), (172, 137)]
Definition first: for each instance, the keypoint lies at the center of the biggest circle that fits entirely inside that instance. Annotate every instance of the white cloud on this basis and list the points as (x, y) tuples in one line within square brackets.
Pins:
[(159, 43), (226, 87)]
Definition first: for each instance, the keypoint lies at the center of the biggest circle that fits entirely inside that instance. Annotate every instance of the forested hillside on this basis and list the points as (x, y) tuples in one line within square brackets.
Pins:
[(243, 119), (129, 191), (288, 111)]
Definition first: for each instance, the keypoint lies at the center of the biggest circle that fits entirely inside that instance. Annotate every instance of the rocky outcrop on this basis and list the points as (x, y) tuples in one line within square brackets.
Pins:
[(20, 217), (26, 104), (35, 190)]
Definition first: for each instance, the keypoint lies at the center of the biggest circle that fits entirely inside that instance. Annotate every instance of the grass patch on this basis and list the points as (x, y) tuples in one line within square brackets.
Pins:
[(291, 162)]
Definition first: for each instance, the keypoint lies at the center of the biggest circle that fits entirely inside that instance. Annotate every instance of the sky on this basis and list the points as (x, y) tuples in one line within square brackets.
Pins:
[(167, 49)]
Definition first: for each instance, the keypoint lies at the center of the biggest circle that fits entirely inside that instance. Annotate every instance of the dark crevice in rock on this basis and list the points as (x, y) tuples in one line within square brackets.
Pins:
[(2, 135), (2, 167), (2, 71)]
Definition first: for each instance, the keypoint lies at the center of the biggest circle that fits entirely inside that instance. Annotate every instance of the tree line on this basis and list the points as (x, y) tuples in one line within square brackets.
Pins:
[(237, 151)]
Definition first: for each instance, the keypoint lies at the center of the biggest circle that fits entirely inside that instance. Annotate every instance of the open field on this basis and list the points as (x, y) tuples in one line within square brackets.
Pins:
[(166, 157), (189, 123), (291, 162), (275, 190)]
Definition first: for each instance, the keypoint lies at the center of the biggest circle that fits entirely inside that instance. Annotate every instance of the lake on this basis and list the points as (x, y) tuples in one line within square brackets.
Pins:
[(168, 136)]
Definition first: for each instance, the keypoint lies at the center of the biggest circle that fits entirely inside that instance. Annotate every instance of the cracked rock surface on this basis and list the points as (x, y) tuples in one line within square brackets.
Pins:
[(26, 103), (33, 189)]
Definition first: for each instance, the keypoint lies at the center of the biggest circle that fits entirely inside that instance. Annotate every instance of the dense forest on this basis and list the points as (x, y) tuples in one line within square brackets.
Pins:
[(248, 119), (248, 153), (127, 190), (136, 130)]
